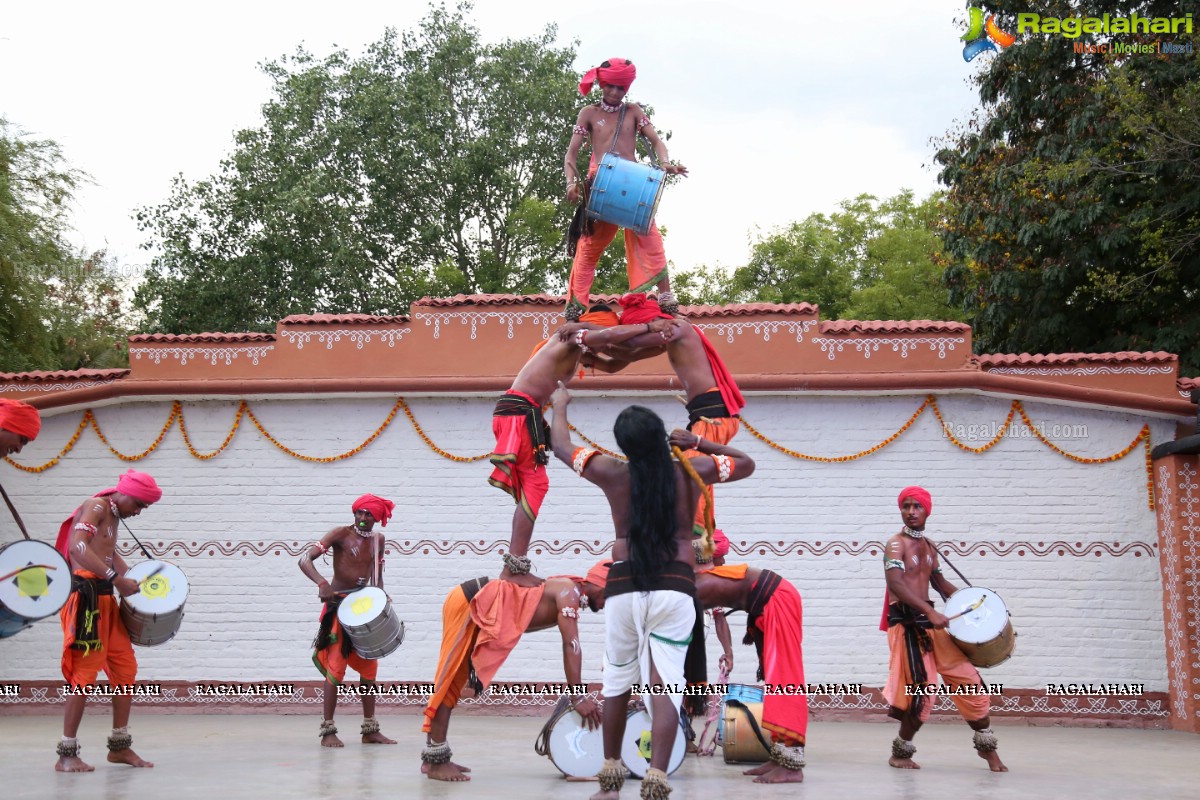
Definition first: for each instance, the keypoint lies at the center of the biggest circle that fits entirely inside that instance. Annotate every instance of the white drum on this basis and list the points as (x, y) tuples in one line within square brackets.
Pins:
[(985, 634), (153, 615), (636, 746), (35, 582), (367, 617), (576, 751)]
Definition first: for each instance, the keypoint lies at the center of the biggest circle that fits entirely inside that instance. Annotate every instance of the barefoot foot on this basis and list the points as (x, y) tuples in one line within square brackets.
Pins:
[(781, 775), (72, 764), (127, 756), (331, 740), (605, 796), (761, 769), (994, 762), (446, 772), (459, 767), (377, 738), (903, 763)]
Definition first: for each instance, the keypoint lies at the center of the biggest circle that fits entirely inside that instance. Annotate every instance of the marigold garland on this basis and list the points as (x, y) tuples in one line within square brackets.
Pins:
[(429, 442), (243, 410)]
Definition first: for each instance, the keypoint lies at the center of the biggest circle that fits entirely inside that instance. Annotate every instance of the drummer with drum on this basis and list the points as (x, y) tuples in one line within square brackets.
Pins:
[(612, 127), (95, 637), (919, 643), (357, 563)]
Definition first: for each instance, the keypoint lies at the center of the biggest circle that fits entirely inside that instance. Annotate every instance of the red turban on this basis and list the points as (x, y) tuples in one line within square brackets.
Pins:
[(598, 575), (618, 72), (920, 495), (20, 418), (639, 309), (139, 486), (720, 543), (380, 509)]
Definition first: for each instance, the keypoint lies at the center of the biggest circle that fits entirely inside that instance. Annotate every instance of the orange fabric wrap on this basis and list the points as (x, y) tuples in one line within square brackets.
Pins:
[(115, 654), (945, 659)]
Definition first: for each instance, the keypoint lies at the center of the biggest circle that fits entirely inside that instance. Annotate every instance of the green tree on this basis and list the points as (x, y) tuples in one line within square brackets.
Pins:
[(35, 190), (61, 310), (1074, 199), (429, 165), (868, 260)]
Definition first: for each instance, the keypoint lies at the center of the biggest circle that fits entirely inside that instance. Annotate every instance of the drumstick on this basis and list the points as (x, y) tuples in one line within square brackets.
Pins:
[(16, 516), (15, 572), (968, 609)]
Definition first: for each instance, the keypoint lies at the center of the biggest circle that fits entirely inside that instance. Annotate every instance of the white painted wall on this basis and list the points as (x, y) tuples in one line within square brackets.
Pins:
[(1080, 617)]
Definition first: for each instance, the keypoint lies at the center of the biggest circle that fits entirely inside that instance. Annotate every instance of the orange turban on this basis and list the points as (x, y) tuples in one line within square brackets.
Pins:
[(598, 575), (20, 418)]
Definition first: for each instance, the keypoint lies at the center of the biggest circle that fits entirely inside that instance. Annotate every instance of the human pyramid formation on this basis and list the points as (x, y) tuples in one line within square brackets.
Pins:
[(667, 559)]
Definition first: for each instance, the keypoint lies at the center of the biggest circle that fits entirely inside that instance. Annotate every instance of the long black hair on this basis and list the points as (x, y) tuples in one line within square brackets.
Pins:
[(641, 435)]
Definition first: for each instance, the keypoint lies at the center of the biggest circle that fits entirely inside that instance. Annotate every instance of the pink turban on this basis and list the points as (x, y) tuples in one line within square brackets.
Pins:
[(615, 72), (598, 575), (920, 495), (139, 486), (380, 509), (639, 309), (720, 543), (20, 418)]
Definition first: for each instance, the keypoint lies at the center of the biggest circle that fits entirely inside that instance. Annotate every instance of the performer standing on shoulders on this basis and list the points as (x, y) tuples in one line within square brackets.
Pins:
[(520, 457), (357, 560), (645, 258), (918, 642), (650, 606), (94, 637)]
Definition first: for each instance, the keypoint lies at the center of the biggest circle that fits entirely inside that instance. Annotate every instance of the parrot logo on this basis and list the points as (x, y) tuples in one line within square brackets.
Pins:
[(982, 36)]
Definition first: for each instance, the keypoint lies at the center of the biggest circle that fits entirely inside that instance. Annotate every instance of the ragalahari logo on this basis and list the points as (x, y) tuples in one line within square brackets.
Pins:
[(981, 36)]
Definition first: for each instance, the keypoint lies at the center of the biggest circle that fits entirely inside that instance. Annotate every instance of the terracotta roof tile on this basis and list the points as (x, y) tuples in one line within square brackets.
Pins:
[(158, 338), (893, 326), (63, 375), (1026, 360), (1188, 384), (344, 319), (733, 310)]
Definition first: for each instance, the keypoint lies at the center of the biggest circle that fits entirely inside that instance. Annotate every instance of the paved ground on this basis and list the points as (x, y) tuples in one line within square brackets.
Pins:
[(267, 756)]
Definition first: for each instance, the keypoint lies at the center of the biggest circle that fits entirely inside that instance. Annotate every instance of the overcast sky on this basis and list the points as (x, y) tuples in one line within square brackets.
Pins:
[(779, 108)]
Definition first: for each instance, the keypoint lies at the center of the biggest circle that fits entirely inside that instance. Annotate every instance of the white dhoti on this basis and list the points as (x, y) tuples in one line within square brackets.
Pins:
[(641, 628)]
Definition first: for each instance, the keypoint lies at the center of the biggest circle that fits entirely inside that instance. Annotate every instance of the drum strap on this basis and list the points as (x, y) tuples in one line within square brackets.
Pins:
[(541, 745), (16, 516), (956, 572), (753, 723)]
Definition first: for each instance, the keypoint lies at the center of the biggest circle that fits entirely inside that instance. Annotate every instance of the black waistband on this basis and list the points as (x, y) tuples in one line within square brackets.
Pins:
[(472, 587), (761, 591), (710, 404), (676, 576), (904, 614), (97, 586), (515, 405)]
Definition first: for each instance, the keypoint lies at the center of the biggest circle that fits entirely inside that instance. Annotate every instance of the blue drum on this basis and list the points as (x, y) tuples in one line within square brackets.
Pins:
[(737, 691), (625, 193)]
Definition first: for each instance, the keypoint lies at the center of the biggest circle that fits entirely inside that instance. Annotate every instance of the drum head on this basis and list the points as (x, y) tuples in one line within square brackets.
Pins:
[(984, 623), (162, 592), (36, 579), (576, 751), (362, 606), (637, 745)]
